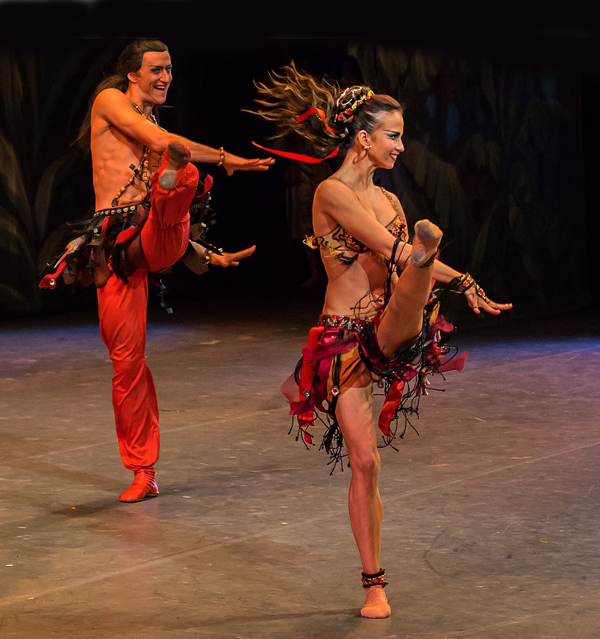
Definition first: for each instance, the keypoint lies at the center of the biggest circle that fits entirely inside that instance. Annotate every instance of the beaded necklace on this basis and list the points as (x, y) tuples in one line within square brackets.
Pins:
[(142, 170)]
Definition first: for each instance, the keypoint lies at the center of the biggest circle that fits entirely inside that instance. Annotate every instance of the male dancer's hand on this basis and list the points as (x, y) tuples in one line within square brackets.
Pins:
[(235, 163), (230, 259)]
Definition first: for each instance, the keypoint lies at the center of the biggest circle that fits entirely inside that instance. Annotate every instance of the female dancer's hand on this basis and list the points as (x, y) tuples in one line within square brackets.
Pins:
[(478, 301), (476, 297), (230, 259)]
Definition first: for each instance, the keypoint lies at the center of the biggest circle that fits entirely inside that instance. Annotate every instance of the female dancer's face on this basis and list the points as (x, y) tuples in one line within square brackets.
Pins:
[(386, 140)]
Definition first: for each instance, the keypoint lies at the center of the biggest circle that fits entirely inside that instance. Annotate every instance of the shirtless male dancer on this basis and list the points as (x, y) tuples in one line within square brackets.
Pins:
[(122, 132)]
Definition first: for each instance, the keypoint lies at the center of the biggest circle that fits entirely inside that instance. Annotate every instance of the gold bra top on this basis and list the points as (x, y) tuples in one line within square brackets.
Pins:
[(344, 247)]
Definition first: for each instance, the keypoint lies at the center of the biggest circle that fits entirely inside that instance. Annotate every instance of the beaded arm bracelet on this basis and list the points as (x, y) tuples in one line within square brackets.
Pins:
[(221, 156), (378, 579), (205, 259), (464, 283)]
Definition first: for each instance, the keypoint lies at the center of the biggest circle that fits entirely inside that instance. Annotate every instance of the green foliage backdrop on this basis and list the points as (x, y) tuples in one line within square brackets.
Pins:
[(44, 179), (493, 155)]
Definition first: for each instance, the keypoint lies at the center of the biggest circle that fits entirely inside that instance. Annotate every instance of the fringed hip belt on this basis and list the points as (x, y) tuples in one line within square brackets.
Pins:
[(358, 326), (104, 238), (339, 342)]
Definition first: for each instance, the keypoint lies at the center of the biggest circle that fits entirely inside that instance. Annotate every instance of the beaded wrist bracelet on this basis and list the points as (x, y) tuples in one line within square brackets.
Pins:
[(464, 283), (205, 259), (481, 293)]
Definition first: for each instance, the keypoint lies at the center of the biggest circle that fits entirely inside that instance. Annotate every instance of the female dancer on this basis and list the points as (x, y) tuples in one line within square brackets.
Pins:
[(379, 319)]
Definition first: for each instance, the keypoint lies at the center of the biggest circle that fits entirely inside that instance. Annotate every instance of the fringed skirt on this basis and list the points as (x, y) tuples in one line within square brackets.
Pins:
[(341, 350)]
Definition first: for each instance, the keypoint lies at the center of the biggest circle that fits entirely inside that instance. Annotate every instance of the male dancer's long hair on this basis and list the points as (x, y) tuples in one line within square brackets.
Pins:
[(129, 61)]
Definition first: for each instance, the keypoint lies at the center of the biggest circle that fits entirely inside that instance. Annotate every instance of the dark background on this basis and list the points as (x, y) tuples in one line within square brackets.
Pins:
[(501, 135)]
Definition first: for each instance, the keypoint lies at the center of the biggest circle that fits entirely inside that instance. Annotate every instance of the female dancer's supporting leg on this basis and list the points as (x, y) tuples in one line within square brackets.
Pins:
[(401, 322), (354, 412)]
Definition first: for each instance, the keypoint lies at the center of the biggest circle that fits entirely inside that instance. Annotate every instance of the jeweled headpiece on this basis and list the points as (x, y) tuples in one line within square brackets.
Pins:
[(347, 103)]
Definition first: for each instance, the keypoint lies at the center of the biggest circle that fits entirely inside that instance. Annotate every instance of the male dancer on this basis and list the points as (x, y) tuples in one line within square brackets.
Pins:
[(126, 144)]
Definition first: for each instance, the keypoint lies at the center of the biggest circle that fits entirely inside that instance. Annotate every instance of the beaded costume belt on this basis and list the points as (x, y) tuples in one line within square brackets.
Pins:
[(360, 326), (122, 210), (123, 217)]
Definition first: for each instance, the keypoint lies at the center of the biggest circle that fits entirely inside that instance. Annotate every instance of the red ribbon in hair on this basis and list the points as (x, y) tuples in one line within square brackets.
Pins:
[(298, 156), (321, 114)]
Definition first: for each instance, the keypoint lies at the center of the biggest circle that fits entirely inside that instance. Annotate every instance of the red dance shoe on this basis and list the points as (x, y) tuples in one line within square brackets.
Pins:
[(144, 485)]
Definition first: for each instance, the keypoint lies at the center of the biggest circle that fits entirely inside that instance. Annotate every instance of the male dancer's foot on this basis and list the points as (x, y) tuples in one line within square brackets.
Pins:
[(177, 156), (144, 485), (425, 243), (376, 605)]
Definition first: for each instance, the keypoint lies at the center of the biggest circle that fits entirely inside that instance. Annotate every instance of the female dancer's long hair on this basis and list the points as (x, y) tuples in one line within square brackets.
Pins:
[(337, 114), (129, 61)]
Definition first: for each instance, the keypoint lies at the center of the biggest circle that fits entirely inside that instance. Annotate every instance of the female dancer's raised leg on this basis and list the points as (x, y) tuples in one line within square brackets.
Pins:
[(402, 318)]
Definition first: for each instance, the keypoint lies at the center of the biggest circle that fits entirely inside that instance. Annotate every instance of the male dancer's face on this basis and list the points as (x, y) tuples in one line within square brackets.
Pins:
[(153, 78)]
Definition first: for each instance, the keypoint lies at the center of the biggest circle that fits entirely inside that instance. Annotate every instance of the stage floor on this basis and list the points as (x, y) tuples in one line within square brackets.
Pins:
[(491, 515)]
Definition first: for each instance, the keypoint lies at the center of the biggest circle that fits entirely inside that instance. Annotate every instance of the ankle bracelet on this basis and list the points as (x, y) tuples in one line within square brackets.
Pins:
[(377, 579), (430, 261)]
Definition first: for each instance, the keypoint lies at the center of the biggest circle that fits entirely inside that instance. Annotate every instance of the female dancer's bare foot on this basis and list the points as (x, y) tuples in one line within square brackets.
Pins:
[(178, 156), (425, 242), (376, 605)]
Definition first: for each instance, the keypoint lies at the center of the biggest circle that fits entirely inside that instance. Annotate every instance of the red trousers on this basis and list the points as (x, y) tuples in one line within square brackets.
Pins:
[(122, 311)]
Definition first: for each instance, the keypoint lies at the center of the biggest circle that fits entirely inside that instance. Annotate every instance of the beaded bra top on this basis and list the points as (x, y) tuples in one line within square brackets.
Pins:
[(342, 246)]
